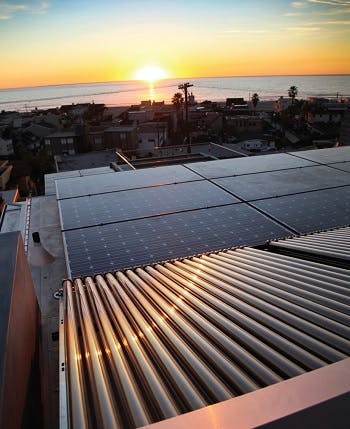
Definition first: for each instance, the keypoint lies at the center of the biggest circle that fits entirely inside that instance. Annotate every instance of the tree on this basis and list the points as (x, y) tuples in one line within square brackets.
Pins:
[(177, 101), (293, 92), (255, 100)]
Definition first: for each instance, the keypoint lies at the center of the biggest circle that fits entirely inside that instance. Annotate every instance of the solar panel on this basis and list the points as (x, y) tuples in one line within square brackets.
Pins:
[(312, 211), (145, 241), (97, 184), (283, 182), (325, 156), (248, 165), (50, 188), (344, 166), (138, 203)]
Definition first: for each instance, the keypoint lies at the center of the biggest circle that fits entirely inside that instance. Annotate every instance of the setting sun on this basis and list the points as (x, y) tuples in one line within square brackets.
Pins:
[(150, 74)]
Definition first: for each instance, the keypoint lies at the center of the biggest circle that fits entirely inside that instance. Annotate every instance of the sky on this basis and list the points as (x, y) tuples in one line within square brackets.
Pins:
[(74, 41)]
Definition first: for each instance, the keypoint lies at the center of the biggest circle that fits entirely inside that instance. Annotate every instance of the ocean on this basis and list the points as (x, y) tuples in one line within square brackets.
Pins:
[(211, 88)]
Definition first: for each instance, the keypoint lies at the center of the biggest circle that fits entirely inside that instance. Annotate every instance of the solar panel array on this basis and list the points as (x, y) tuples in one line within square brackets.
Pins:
[(140, 203), (145, 241), (126, 219), (325, 156), (122, 181), (311, 211), (283, 182)]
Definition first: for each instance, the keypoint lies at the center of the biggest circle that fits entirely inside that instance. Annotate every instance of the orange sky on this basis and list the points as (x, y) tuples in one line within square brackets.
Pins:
[(56, 42)]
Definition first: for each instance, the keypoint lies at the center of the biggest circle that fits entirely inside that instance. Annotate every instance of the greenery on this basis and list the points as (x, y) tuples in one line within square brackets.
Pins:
[(255, 100), (293, 92), (178, 100)]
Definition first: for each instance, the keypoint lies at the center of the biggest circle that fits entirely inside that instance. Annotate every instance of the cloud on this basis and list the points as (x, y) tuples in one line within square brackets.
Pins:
[(298, 4), (9, 10), (244, 31), (332, 2), (335, 22), (302, 29), (336, 11)]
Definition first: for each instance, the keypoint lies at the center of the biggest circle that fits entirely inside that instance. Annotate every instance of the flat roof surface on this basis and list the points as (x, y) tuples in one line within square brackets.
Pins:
[(47, 280), (87, 160)]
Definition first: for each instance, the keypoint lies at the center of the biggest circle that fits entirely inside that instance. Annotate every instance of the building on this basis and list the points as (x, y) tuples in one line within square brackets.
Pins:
[(344, 131), (62, 143), (6, 147), (193, 295), (282, 103), (121, 137), (244, 123), (236, 103), (257, 145), (151, 135)]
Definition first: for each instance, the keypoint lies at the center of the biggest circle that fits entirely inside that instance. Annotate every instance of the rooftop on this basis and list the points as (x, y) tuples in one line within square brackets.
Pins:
[(204, 305)]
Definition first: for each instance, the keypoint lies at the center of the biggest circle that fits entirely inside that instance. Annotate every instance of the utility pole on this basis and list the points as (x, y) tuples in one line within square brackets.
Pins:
[(185, 87)]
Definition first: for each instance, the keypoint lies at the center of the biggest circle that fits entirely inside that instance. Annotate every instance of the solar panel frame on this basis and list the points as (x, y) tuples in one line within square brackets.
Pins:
[(283, 182), (138, 203), (310, 211), (119, 181), (344, 166), (325, 156), (247, 165), (146, 241)]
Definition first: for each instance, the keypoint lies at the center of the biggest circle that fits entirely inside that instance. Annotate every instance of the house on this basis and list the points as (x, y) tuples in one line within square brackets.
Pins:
[(244, 123), (282, 103), (151, 135), (326, 115), (256, 145), (236, 103), (33, 136), (122, 137), (62, 143), (344, 132), (6, 147), (142, 115)]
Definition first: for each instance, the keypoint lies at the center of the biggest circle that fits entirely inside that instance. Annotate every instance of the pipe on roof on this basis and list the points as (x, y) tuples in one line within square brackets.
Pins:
[(152, 343)]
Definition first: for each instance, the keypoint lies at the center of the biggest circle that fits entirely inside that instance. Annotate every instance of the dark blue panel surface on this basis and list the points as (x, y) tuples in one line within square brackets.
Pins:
[(146, 241), (98, 184), (247, 165), (284, 182), (138, 203), (312, 211)]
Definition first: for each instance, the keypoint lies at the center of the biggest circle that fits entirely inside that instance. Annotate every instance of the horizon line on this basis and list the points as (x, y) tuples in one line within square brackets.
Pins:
[(171, 78)]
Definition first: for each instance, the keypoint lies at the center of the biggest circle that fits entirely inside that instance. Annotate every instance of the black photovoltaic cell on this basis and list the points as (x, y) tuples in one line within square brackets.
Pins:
[(138, 203), (98, 184), (312, 211), (248, 165), (325, 156), (284, 182), (145, 241)]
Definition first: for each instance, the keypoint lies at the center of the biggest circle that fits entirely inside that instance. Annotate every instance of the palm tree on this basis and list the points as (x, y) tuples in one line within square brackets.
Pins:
[(255, 100), (293, 92), (177, 101)]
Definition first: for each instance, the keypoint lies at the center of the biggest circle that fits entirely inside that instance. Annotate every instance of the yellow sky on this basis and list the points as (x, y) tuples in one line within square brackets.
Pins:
[(57, 42)]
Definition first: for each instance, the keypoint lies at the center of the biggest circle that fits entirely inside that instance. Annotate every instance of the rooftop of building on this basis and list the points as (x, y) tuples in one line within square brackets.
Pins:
[(268, 197)]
